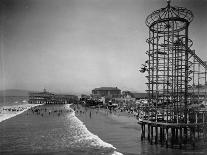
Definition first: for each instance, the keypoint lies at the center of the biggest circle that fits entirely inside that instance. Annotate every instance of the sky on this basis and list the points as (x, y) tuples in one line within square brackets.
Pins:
[(73, 46)]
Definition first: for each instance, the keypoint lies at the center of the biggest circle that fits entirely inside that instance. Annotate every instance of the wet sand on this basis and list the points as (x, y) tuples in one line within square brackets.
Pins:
[(122, 131)]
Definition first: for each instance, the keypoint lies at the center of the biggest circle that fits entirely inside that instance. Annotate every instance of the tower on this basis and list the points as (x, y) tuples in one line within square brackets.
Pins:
[(170, 65), (176, 79)]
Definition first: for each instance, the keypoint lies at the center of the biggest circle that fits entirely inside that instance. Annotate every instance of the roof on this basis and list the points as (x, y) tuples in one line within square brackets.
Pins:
[(107, 88)]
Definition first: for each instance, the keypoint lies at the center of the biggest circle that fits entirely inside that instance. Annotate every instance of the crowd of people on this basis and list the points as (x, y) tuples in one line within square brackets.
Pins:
[(81, 109), (13, 109), (42, 111)]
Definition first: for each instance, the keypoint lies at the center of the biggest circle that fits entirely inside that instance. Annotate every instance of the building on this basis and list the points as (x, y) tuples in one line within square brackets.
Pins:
[(46, 97), (65, 98), (109, 92)]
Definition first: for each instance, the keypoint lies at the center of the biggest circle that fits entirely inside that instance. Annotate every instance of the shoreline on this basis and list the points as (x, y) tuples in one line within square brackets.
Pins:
[(114, 128), (7, 112), (122, 131), (51, 129)]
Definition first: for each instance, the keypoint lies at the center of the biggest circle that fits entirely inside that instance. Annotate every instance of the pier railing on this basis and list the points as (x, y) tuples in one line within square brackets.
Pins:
[(170, 129)]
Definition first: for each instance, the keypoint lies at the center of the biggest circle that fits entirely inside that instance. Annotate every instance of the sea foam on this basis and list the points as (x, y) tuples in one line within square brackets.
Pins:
[(85, 139)]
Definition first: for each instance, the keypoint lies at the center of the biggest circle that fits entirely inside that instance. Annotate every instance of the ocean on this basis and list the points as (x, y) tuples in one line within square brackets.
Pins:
[(49, 129), (58, 129)]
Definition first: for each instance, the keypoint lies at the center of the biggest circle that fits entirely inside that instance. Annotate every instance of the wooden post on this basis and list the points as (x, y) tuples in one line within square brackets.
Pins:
[(176, 133), (151, 140), (163, 135), (172, 136), (148, 132), (144, 131), (181, 137), (141, 131), (156, 135), (161, 138), (193, 137), (166, 137), (185, 134)]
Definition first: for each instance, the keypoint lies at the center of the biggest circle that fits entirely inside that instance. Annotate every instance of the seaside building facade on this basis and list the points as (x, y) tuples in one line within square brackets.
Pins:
[(105, 95), (131, 99), (110, 92)]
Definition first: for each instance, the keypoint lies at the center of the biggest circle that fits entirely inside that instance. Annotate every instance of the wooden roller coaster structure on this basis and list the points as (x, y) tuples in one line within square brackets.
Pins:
[(176, 81)]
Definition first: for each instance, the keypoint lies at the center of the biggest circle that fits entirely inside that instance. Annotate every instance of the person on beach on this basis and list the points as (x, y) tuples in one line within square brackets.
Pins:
[(90, 114)]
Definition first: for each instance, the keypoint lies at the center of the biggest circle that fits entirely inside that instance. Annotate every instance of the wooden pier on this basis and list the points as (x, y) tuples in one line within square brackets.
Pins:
[(175, 134), (46, 97)]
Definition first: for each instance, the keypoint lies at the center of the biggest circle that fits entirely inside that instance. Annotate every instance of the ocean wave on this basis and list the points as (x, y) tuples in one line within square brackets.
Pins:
[(7, 112), (84, 139)]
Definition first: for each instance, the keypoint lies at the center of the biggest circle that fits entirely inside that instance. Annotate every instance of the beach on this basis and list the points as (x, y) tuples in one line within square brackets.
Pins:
[(58, 129), (122, 131)]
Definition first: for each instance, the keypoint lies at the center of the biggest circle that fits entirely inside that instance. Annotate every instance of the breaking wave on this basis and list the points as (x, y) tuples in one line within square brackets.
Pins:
[(84, 139)]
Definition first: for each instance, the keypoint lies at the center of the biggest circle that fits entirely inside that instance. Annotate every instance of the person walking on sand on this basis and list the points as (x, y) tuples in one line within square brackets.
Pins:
[(90, 114)]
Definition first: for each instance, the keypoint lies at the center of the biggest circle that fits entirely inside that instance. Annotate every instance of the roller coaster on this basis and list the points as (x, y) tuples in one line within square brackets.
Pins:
[(176, 75)]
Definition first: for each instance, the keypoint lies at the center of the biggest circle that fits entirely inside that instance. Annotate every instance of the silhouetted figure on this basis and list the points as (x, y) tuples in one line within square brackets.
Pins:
[(90, 114)]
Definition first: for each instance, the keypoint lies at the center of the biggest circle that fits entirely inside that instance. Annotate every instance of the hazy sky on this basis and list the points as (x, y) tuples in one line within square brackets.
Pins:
[(77, 45)]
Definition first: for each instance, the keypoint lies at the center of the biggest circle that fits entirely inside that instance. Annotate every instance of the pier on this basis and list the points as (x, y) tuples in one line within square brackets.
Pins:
[(175, 134), (46, 97), (176, 80)]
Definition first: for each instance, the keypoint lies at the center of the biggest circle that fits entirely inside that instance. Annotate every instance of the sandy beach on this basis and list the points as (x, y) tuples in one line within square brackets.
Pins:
[(122, 131)]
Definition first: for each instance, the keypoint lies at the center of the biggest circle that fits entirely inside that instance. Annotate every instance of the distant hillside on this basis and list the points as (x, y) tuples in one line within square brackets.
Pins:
[(14, 92)]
